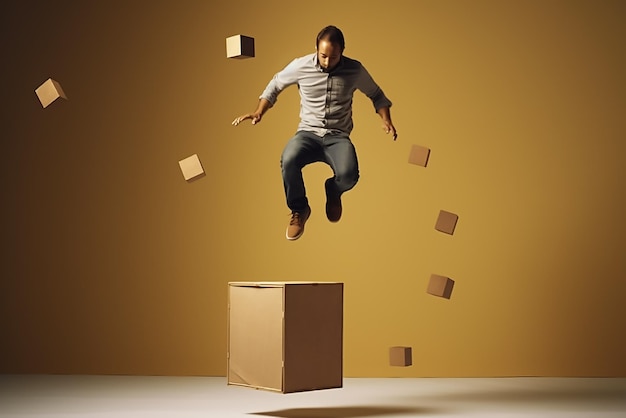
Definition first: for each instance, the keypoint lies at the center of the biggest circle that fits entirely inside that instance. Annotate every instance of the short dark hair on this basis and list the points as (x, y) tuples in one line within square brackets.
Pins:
[(334, 36)]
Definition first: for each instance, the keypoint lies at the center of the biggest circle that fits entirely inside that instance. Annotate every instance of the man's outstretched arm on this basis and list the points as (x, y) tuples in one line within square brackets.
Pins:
[(257, 115), (385, 114)]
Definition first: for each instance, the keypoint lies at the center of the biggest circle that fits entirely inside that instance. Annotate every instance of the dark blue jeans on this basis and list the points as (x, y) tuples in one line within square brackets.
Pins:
[(305, 148)]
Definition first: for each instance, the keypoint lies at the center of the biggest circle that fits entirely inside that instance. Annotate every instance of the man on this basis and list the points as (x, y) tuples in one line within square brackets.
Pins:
[(326, 81)]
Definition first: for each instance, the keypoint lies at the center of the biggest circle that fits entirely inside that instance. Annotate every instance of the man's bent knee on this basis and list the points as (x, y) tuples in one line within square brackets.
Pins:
[(346, 182)]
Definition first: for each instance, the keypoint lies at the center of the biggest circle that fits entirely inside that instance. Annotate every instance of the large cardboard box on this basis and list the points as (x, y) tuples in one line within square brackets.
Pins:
[(285, 336)]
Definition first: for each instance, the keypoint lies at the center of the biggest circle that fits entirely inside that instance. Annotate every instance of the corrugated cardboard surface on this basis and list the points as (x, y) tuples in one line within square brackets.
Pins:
[(285, 336), (255, 328), (313, 337)]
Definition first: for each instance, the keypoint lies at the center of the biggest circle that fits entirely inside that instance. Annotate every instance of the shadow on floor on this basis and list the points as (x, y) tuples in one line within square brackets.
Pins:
[(567, 391), (344, 412)]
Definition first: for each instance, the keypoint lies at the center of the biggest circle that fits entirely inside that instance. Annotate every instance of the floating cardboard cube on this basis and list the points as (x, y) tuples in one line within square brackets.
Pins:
[(49, 91), (440, 286), (239, 46), (419, 155), (446, 222), (400, 356), (285, 336), (191, 167)]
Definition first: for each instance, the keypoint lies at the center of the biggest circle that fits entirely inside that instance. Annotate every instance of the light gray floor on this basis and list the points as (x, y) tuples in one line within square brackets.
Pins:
[(35, 396)]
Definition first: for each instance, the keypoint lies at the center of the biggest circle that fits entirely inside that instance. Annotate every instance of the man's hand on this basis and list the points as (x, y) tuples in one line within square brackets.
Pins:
[(256, 118), (390, 129)]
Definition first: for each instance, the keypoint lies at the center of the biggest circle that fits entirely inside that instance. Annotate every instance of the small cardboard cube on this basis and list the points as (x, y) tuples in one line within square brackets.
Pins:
[(49, 91), (446, 222), (419, 155), (400, 356), (440, 286), (191, 167), (239, 46), (285, 336)]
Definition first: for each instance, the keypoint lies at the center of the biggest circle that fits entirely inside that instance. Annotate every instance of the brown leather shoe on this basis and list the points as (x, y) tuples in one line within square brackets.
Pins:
[(296, 224), (333, 201)]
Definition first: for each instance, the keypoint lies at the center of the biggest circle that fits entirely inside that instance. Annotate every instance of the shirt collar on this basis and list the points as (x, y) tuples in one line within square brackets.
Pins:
[(319, 67), (316, 63)]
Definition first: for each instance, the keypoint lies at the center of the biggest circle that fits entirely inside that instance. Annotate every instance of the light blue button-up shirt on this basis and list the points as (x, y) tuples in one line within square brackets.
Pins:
[(326, 97)]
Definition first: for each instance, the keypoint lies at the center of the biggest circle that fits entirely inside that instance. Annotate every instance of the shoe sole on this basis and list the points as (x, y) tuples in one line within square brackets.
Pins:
[(296, 237)]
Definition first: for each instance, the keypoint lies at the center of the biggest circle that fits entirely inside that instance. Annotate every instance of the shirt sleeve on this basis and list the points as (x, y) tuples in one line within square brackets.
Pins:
[(281, 80), (367, 85)]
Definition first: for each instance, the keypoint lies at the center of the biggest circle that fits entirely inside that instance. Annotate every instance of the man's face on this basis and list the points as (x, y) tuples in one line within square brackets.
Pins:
[(328, 54)]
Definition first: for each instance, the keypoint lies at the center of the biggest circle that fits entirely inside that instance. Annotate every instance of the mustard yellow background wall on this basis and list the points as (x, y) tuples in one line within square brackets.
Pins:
[(111, 263)]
